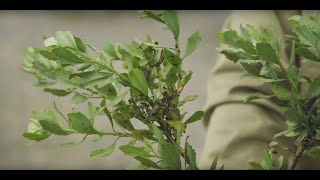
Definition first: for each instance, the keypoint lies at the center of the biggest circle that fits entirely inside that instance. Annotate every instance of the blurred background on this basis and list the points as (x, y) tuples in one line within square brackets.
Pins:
[(22, 29)]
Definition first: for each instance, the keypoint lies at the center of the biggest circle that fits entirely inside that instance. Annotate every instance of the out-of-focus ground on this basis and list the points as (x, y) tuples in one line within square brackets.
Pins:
[(21, 29)]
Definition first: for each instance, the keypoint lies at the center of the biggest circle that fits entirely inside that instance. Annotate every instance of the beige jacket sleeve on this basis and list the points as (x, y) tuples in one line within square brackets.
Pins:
[(239, 132)]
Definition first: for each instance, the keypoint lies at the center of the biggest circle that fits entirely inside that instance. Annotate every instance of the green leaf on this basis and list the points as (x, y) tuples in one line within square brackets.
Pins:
[(78, 98), (171, 58), (126, 56), (138, 80), (172, 21), (118, 99), (314, 152), (195, 117), (157, 132), (306, 53), (186, 99), (105, 110), (50, 42), (278, 163), (81, 46), (57, 92), (91, 111), (281, 92), (49, 122), (235, 56), (81, 124), (89, 78), (53, 127), (142, 134), (178, 125), (267, 53), (246, 46), (147, 162), (256, 166), (109, 49), (137, 167), (35, 136), (65, 38), (214, 163), (108, 90), (191, 155), (267, 159), (231, 38), (270, 80), (133, 151), (257, 96), (172, 77), (65, 56), (193, 42), (152, 15), (314, 88), (170, 156), (103, 152), (251, 69), (148, 145)]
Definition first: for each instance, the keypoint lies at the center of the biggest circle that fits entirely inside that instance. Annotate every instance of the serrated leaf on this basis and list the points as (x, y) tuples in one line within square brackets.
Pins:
[(81, 123), (138, 80), (57, 92), (195, 117), (267, 53), (191, 155), (257, 96), (171, 19), (306, 53), (178, 125), (78, 98), (170, 156), (133, 151), (281, 92), (103, 152), (193, 42)]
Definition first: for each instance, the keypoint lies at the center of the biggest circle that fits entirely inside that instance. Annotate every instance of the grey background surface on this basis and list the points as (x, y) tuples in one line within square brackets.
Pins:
[(22, 29)]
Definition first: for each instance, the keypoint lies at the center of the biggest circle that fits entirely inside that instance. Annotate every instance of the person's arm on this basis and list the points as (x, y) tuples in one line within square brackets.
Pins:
[(239, 132)]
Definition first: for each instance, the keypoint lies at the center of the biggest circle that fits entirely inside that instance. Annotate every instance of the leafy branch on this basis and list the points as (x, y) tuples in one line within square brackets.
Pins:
[(257, 50), (146, 88)]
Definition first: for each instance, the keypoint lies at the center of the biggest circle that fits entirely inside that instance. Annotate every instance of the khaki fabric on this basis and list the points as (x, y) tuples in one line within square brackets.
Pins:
[(239, 132)]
